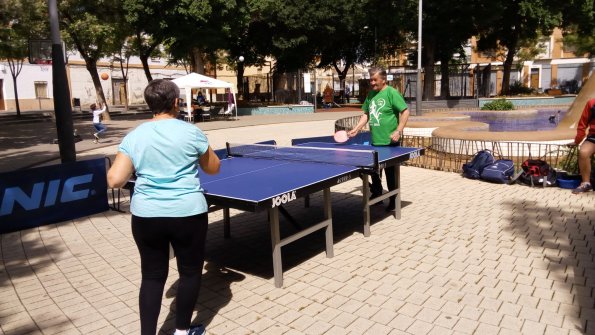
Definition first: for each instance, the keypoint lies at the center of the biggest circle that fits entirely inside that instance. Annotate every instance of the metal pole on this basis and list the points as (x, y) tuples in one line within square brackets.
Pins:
[(272, 82), (375, 41), (62, 105), (418, 94), (315, 90)]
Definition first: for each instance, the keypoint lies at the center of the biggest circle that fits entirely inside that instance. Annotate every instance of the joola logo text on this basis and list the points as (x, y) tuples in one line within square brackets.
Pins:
[(51, 190), (283, 199), (343, 179)]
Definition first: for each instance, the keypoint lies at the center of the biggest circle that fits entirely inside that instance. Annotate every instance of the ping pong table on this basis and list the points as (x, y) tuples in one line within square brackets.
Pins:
[(256, 177), (387, 156)]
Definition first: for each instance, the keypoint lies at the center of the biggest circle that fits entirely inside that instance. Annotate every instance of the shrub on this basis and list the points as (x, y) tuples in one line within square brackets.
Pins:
[(518, 88), (498, 105)]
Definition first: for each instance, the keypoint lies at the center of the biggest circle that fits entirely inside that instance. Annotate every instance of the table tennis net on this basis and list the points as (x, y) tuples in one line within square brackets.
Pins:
[(349, 157)]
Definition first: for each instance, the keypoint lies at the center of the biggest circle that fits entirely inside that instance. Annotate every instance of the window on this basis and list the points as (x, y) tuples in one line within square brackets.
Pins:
[(41, 89)]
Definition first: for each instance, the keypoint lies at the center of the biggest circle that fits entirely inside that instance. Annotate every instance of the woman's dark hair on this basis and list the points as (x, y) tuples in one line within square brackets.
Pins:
[(93, 107), (161, 95)]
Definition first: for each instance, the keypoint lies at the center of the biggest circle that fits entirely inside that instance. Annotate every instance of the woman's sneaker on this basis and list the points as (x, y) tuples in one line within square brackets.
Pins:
[(583, 187)]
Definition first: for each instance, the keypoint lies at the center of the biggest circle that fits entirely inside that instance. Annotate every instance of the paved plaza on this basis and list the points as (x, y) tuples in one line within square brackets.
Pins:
[(467, 257)]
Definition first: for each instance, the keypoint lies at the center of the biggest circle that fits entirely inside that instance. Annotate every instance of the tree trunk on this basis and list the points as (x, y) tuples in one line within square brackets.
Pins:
[(125, 78), (444, 78), (15, 70), (342, 76), (144, 54), (144, 58), (16, 95), (428, 91), (196, 61), (91, 65), (507, 66)]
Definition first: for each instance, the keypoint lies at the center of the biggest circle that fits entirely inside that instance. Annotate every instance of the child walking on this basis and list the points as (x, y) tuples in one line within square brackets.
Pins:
[(99, 127)]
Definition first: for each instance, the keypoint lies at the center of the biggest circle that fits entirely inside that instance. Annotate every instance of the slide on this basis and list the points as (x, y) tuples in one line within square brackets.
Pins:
[(571, 118)]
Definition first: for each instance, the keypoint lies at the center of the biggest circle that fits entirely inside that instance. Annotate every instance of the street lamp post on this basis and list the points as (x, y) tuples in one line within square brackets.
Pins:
[(270, 75), (418, 94), (375, 42), (240, 76)]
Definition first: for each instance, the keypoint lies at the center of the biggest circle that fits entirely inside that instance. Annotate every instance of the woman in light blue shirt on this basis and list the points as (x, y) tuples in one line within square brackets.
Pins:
[(168, 206)]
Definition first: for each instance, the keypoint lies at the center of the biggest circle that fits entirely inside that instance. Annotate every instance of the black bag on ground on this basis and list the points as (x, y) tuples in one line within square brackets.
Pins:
[(537, 172), (500, 171), (481, 159)]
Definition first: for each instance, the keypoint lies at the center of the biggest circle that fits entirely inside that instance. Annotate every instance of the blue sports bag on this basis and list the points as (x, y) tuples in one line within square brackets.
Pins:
[(500, 171)]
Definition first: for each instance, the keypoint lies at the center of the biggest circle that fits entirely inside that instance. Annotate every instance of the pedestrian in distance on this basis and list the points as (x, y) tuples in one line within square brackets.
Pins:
[(168, 206), (100, 128), (585, 127), (386, 113)]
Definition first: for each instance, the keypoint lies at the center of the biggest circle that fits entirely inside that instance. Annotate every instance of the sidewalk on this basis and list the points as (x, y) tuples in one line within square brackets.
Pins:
[(27, 145), (467, 257)]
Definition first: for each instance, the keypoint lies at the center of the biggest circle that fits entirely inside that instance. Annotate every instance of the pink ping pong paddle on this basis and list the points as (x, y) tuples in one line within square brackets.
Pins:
[(341, 136)]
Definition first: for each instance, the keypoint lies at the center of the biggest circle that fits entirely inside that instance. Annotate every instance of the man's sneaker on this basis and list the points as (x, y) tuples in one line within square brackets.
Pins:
[(583, 187), (96, 136), (197, 330)]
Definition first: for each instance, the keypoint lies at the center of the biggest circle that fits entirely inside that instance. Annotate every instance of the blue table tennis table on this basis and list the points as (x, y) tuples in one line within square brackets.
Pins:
[(387, 156), (263, 182)]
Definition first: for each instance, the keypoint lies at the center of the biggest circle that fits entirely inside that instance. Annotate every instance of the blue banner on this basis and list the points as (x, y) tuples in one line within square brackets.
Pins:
[(50, 194)]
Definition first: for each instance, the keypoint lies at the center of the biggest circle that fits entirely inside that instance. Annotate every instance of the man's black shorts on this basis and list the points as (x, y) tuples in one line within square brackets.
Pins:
[(591, 138)]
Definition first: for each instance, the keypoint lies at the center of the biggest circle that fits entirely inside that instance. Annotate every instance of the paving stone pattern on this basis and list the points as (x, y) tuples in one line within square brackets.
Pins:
[(467, 257)]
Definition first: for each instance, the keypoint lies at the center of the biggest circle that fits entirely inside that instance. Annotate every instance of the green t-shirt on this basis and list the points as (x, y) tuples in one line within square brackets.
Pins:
[(383, 109)]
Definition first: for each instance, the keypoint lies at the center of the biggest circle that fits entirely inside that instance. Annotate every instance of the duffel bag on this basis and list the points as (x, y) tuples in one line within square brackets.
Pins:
[(498, 172)]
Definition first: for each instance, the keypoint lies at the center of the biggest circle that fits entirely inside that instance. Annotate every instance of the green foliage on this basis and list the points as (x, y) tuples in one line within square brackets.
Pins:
[(94, 29), (498, 105), (582, 43), (517, 88), (20, 21), (510, 25)]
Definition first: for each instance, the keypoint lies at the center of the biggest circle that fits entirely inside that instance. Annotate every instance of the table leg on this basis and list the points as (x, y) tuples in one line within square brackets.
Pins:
[(276, 244), (328, 215), (226, 223), (398, 188), (366, 204)]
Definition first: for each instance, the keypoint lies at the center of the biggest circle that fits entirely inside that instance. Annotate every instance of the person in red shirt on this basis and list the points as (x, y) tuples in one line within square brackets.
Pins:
[(587, 149)]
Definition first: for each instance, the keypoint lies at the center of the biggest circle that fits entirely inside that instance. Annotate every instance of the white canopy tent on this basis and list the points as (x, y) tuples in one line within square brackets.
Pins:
[(195, 80)]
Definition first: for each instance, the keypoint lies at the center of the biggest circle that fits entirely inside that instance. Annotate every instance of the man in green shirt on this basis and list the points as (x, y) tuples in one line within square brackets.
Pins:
[(386, 113)]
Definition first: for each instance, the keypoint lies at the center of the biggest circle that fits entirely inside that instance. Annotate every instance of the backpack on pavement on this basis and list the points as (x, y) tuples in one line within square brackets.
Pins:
[(500, 171), (481, 159), (537, 172)]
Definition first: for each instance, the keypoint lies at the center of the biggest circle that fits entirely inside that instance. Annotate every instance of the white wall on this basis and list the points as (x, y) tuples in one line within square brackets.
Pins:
[(26, 80)]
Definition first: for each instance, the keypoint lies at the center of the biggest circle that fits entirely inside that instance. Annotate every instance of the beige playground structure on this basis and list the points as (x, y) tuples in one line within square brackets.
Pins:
[(571, 118)]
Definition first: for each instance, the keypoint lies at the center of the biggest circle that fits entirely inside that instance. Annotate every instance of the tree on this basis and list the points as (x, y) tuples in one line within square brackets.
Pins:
[(579, 26), (515, 24), (95, 30), (149, 22), (343, 38), (123, 59), (20, 21)]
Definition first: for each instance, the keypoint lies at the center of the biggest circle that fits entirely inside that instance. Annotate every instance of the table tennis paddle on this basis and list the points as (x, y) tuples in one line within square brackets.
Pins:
[(341, 136)]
